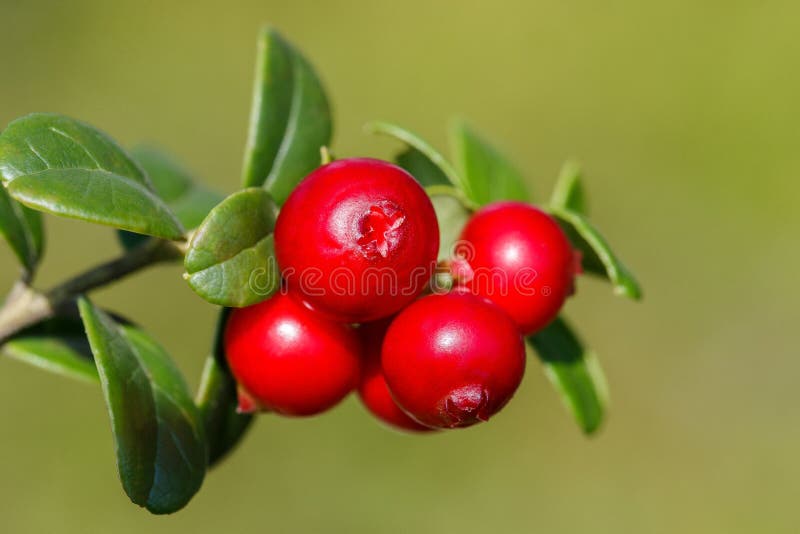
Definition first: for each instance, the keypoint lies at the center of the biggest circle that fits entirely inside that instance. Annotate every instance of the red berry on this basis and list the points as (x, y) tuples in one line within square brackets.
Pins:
[(520, 258), (357, 239), (372, 389), (453, 360), (289, 359)]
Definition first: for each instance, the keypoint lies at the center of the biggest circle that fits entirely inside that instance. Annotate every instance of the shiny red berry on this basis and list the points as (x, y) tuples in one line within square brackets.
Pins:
[(453, 360), (357, 239), (520, 258), (372, 388), (289, 359)]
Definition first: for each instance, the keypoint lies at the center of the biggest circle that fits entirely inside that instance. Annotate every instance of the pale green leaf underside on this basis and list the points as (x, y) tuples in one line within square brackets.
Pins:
[(58, 346), (452, 215)]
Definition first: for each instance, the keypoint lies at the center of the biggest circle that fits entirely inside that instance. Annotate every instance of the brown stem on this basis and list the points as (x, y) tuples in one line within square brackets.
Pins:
[(25, 306)]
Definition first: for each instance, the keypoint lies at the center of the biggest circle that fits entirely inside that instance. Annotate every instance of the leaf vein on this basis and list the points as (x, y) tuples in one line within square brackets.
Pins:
[(81, 145), (37, 154)]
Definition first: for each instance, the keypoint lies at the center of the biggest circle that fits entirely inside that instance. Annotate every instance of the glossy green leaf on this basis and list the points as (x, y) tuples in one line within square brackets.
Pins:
[(488, 176), (568, 193), (62, 166), (217, 400), (231, 258), (160, 441), (34, 221), (56, 345), (188, 200), (575, 373), (597, 256), (421, 167), (434, 158), (452, 214), (290, 119), (21, 227)]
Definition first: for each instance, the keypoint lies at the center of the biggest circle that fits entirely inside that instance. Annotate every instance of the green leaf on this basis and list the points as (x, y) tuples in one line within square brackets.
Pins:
[(57, 345), (231, 257), (159, 437), (421, 167), (568, 194), (22, 229), (217, 400), (597, 256), (435, 159), (189, 201), (290, 119), (488, 176), (575, 373), (452, 214), (62, 166)]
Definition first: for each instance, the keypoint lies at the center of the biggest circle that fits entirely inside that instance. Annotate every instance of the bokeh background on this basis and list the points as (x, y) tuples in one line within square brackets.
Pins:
[(685, 116)]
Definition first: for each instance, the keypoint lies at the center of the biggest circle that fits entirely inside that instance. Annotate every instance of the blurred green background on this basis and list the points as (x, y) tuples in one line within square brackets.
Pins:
[(685, 116)]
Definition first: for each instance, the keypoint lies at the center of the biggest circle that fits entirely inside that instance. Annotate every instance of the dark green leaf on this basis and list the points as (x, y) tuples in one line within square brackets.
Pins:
[(423, 169), (597, 256), (575, 373), (217, 400), (36, 227), (189, 201), (159, 437), (425, 150), (231, 258), (452, 215), (290, 119), (488, 176), (62, 166), (22, 229), (57, 345), (568, 193)]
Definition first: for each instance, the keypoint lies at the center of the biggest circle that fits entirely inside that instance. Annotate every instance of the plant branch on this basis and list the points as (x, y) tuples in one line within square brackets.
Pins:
[(26, 306)]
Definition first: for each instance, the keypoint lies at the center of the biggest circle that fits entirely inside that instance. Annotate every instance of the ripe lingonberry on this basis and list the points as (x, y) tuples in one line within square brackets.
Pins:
[(289, 359), (453, 360), (372, 388), (519, 257), (357, 239)]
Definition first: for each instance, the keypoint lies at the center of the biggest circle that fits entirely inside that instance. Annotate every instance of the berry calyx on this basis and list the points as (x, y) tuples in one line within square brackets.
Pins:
[(519, 257), (357, 240), (453, 360), (288, 359), (372, 389)]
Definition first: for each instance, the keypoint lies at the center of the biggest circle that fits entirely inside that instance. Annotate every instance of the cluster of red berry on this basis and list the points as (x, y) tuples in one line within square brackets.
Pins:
[(357, 244)]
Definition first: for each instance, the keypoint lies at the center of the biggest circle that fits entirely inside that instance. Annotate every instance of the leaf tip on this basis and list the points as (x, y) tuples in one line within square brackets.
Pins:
[(591, 428), (373, 127), (629, 288), (457, 123)]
